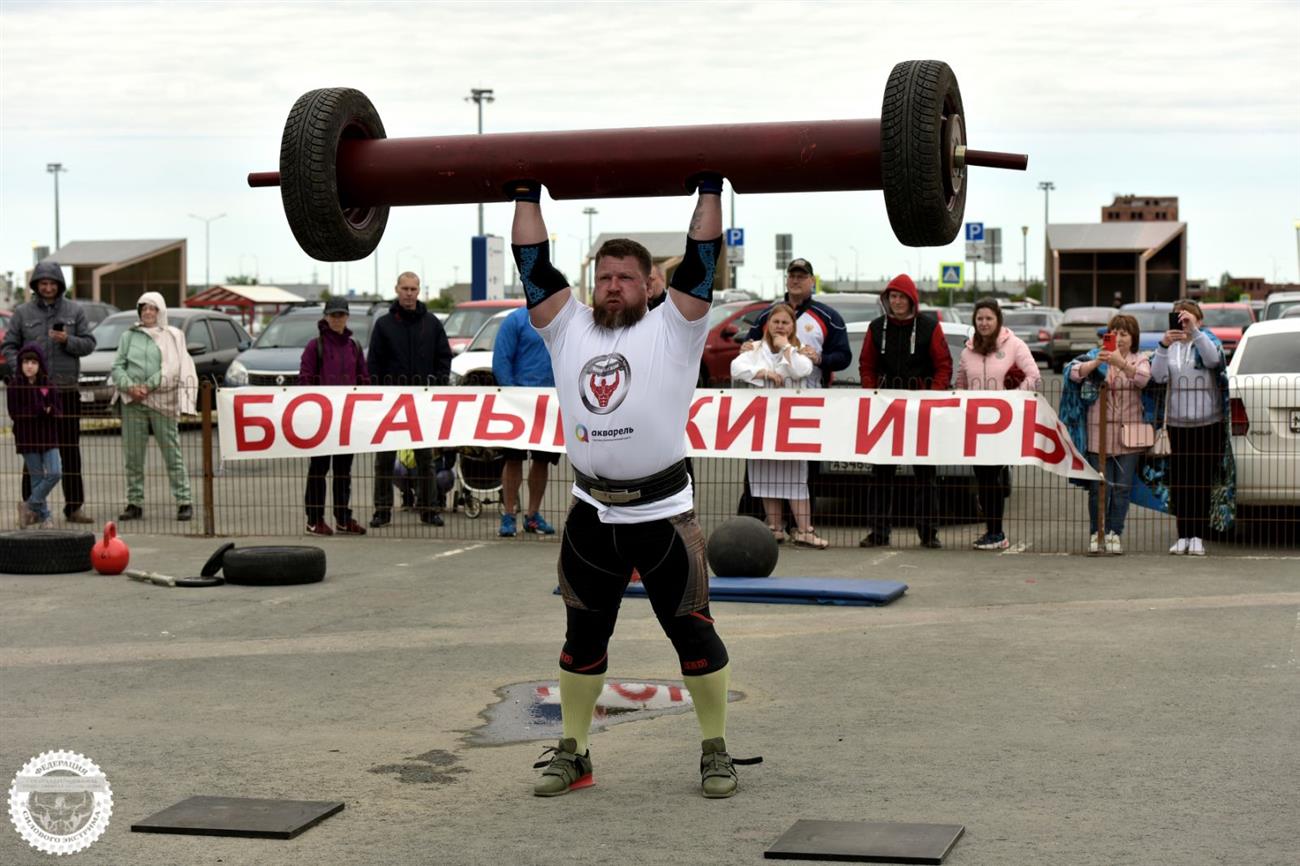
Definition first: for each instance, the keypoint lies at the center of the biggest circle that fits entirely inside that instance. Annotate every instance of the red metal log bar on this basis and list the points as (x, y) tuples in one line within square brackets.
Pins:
[(815, 156)]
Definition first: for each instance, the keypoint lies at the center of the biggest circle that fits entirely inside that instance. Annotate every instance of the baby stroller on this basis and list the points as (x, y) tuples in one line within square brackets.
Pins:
[(478, 479)]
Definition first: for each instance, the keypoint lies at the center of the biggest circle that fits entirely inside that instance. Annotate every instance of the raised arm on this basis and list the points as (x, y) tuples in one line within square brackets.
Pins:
[(692, 285), (545, 288)]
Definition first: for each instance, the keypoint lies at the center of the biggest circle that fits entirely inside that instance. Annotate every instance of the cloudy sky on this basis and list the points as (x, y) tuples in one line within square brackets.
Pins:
[(159, 110)]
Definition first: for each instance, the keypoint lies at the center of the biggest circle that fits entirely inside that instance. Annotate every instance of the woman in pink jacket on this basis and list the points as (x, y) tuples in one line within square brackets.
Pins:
[(994, 360)]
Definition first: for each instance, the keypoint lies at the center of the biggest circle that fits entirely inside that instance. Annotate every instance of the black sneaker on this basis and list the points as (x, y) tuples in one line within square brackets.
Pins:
[(381, 518), (185, 512), (875, 539), (932, 542), (131, 512), (431, 518), (566, 771)]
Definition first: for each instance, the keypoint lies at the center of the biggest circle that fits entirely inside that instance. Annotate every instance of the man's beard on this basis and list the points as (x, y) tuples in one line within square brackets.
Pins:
[(625, 317)]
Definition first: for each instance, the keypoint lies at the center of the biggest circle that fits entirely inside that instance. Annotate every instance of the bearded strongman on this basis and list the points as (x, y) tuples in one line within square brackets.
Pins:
[(625, 376)]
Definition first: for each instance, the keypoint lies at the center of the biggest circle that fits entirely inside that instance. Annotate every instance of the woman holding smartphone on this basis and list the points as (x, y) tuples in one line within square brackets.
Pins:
[(1125, 372), (1192, 362)]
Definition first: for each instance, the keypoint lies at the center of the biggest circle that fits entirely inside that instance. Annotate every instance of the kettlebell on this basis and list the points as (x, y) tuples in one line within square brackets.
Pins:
[(110, 555)]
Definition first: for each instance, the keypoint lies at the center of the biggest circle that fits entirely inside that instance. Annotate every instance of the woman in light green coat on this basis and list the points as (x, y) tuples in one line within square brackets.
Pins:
[(156, 382)]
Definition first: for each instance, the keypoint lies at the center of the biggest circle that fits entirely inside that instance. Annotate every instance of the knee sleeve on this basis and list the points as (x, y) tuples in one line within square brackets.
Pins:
[(586, 641), (699, 649)]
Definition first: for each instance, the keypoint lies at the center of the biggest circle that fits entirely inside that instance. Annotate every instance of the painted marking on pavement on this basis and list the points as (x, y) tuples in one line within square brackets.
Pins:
[(457, 551)]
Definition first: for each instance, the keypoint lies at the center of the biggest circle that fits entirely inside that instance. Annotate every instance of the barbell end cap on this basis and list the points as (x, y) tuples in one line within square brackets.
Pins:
[(996, 159), (263, 178)]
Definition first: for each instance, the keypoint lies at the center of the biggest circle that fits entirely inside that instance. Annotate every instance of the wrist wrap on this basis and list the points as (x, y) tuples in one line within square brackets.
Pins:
[(538, 275), (708, 183), (694, 275)]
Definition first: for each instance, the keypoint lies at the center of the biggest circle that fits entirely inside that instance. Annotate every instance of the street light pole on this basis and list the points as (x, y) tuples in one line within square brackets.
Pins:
[(590, 212), (1049, 296), (478, 96), (1297, 249), (855, 268), (1024, 258), (207, 244), (56, 168)]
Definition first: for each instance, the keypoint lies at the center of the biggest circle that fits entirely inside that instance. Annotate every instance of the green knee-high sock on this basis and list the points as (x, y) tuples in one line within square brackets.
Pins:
[(709, 694), (578, 695)]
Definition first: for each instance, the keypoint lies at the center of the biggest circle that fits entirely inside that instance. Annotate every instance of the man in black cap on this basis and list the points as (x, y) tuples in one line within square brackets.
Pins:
[(820, 328)]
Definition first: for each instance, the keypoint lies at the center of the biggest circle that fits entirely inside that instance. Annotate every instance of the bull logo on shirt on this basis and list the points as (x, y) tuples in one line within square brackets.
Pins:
[(604, 382)]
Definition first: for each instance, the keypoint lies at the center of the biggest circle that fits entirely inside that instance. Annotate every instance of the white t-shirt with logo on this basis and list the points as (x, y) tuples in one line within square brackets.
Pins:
[(624, 396)]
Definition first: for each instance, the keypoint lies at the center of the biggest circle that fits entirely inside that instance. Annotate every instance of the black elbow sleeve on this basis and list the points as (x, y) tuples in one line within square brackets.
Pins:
[(694, 275), (539, 277)]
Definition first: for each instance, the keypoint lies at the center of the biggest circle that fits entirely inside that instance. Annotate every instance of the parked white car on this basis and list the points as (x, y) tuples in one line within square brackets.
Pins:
[(1278, 304), (474, 365), (1264, 393)]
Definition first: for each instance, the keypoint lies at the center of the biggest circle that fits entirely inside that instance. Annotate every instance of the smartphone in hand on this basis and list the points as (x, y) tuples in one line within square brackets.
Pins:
[(1109, 341), (57, 326), (1175, 323)]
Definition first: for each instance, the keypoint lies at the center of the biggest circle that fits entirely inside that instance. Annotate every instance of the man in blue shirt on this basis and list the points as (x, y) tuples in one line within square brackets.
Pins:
[(520, 359)]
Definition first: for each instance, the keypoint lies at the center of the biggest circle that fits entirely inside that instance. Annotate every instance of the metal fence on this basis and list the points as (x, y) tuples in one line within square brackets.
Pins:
[(1044, 513)]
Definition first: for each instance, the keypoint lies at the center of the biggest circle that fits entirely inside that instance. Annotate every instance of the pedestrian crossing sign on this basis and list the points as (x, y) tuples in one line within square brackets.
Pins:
[(952, 275)]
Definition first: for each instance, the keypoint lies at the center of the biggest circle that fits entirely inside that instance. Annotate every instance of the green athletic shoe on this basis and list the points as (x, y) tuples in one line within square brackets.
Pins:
[(566, 771), (717, 770)]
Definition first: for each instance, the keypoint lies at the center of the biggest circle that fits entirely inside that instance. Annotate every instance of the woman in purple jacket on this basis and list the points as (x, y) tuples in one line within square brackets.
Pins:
[(34, 405), (333, 358)]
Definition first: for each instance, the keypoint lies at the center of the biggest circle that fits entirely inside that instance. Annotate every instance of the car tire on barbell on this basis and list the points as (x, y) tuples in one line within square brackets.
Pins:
[(273, 566), (920, 122), (45, 551), (309, 186)]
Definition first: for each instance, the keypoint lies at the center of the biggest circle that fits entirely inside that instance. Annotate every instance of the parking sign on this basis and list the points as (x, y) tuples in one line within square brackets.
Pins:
[(975, 232)]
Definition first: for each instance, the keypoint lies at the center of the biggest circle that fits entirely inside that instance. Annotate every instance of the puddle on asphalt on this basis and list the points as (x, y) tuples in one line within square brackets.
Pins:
[(531, 711), (432, 767)]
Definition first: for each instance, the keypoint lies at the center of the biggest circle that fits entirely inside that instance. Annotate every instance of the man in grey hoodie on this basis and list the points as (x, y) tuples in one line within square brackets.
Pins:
[(58, 325)]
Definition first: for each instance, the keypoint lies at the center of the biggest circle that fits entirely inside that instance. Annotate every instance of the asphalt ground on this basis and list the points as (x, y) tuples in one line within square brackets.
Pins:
[(1065, 709)]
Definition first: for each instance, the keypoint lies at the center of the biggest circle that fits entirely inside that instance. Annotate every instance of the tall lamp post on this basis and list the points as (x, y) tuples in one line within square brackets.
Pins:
[(478, 96), (855, 268), (1297, 249), (1024, 258), (1048, 296), (207, 243), (589, 212), (56, 168)]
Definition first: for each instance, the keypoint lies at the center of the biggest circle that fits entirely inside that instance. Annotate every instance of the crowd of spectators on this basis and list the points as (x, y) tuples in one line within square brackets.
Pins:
[(1159, 432)]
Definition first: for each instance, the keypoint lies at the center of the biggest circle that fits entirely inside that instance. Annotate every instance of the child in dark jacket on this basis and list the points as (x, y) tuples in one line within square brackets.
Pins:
[(33, 407)]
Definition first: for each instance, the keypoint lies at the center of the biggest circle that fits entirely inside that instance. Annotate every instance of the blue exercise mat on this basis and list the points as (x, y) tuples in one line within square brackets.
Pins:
[(795, 590)]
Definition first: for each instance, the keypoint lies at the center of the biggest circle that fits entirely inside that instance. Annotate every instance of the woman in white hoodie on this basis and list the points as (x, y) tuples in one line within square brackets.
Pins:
[(775, 362), (156, 382)]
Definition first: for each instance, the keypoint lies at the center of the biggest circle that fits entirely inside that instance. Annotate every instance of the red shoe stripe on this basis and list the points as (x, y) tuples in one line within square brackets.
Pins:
[(584, 781)]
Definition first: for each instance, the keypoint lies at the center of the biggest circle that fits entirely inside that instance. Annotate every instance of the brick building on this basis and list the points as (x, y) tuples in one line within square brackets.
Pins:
[(1141, 208)]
